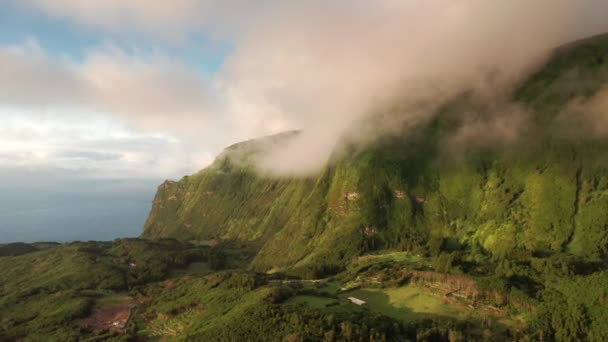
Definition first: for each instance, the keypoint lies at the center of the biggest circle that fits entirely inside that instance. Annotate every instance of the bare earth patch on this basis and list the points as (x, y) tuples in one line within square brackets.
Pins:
[(111, 318)]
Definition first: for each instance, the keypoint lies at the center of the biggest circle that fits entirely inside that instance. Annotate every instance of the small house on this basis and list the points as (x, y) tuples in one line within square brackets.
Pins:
[(357, 301)]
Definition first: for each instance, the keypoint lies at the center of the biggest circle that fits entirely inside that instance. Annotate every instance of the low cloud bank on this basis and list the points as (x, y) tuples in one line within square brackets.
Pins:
[(325, 68), (333, 71)]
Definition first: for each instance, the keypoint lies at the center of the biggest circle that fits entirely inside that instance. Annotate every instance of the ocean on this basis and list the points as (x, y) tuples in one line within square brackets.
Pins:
[(104, 211)]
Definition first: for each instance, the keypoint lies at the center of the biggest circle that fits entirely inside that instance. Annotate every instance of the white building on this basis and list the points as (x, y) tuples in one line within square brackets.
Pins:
[(357, 301)]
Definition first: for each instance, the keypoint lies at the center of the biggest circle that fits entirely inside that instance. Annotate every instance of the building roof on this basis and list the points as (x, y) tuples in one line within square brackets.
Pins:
[(356, 301)]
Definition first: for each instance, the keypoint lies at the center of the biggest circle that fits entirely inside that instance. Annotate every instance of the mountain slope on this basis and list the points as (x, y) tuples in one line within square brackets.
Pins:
[(546, 193)]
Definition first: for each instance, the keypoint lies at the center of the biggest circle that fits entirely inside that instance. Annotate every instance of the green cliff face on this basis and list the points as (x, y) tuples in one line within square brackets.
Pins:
[(546, 193)]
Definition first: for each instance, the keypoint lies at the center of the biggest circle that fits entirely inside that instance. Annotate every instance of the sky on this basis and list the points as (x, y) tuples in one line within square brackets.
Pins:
[(154, 89), (50, 127)]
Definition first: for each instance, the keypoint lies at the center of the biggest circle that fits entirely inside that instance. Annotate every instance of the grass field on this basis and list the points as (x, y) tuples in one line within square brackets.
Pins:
[(406, 258), (404, 303), (409, 302), (412, 302), (332, 287)]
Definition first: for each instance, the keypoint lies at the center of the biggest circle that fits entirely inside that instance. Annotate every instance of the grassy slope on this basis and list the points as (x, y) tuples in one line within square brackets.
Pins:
[(44, 293), (237, 306), (408, 303), (528, 219)]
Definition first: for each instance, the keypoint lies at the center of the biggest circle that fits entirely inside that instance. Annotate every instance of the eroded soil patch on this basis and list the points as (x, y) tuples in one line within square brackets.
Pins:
[(110, 318)]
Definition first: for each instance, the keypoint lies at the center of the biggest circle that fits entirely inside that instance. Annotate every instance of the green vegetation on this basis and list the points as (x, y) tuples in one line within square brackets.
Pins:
[(445, 243), (516, 218), (19, 248), (408, 303), (55, 295), (230, 306), (314, 302), (44, 293)]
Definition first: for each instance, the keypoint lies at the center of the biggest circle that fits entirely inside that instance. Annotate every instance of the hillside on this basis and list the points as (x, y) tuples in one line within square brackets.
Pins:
[(500, 207), (425, 236), (47, 290), (544, 194), (132, 289)]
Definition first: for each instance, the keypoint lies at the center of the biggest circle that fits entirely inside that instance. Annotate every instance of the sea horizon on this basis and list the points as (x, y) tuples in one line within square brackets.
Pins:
[(79, 213)]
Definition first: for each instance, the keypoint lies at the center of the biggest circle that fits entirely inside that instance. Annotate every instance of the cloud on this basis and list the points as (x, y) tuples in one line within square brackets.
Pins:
[(47, 99), (323, 67), (28, 77), (586, 116), (497, 125), (152, 92), (327, 68), (90, 147), (168, 20), (122, 14)]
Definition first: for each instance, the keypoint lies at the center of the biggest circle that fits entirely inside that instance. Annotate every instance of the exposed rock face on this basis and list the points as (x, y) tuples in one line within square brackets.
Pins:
[(166, 185)]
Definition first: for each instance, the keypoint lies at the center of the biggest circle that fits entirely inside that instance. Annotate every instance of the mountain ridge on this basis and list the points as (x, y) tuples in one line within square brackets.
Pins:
[(401, 192)]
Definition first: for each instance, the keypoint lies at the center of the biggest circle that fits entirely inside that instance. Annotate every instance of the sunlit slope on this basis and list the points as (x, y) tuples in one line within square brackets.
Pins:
[(545, 193)]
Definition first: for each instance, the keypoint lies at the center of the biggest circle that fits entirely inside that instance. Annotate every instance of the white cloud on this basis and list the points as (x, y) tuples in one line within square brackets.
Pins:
[(28, 77), (122, 14), (172, 20), (155, 92), (325, 67), (91, 146), (316, 65), (110, 115), (146, 89)]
